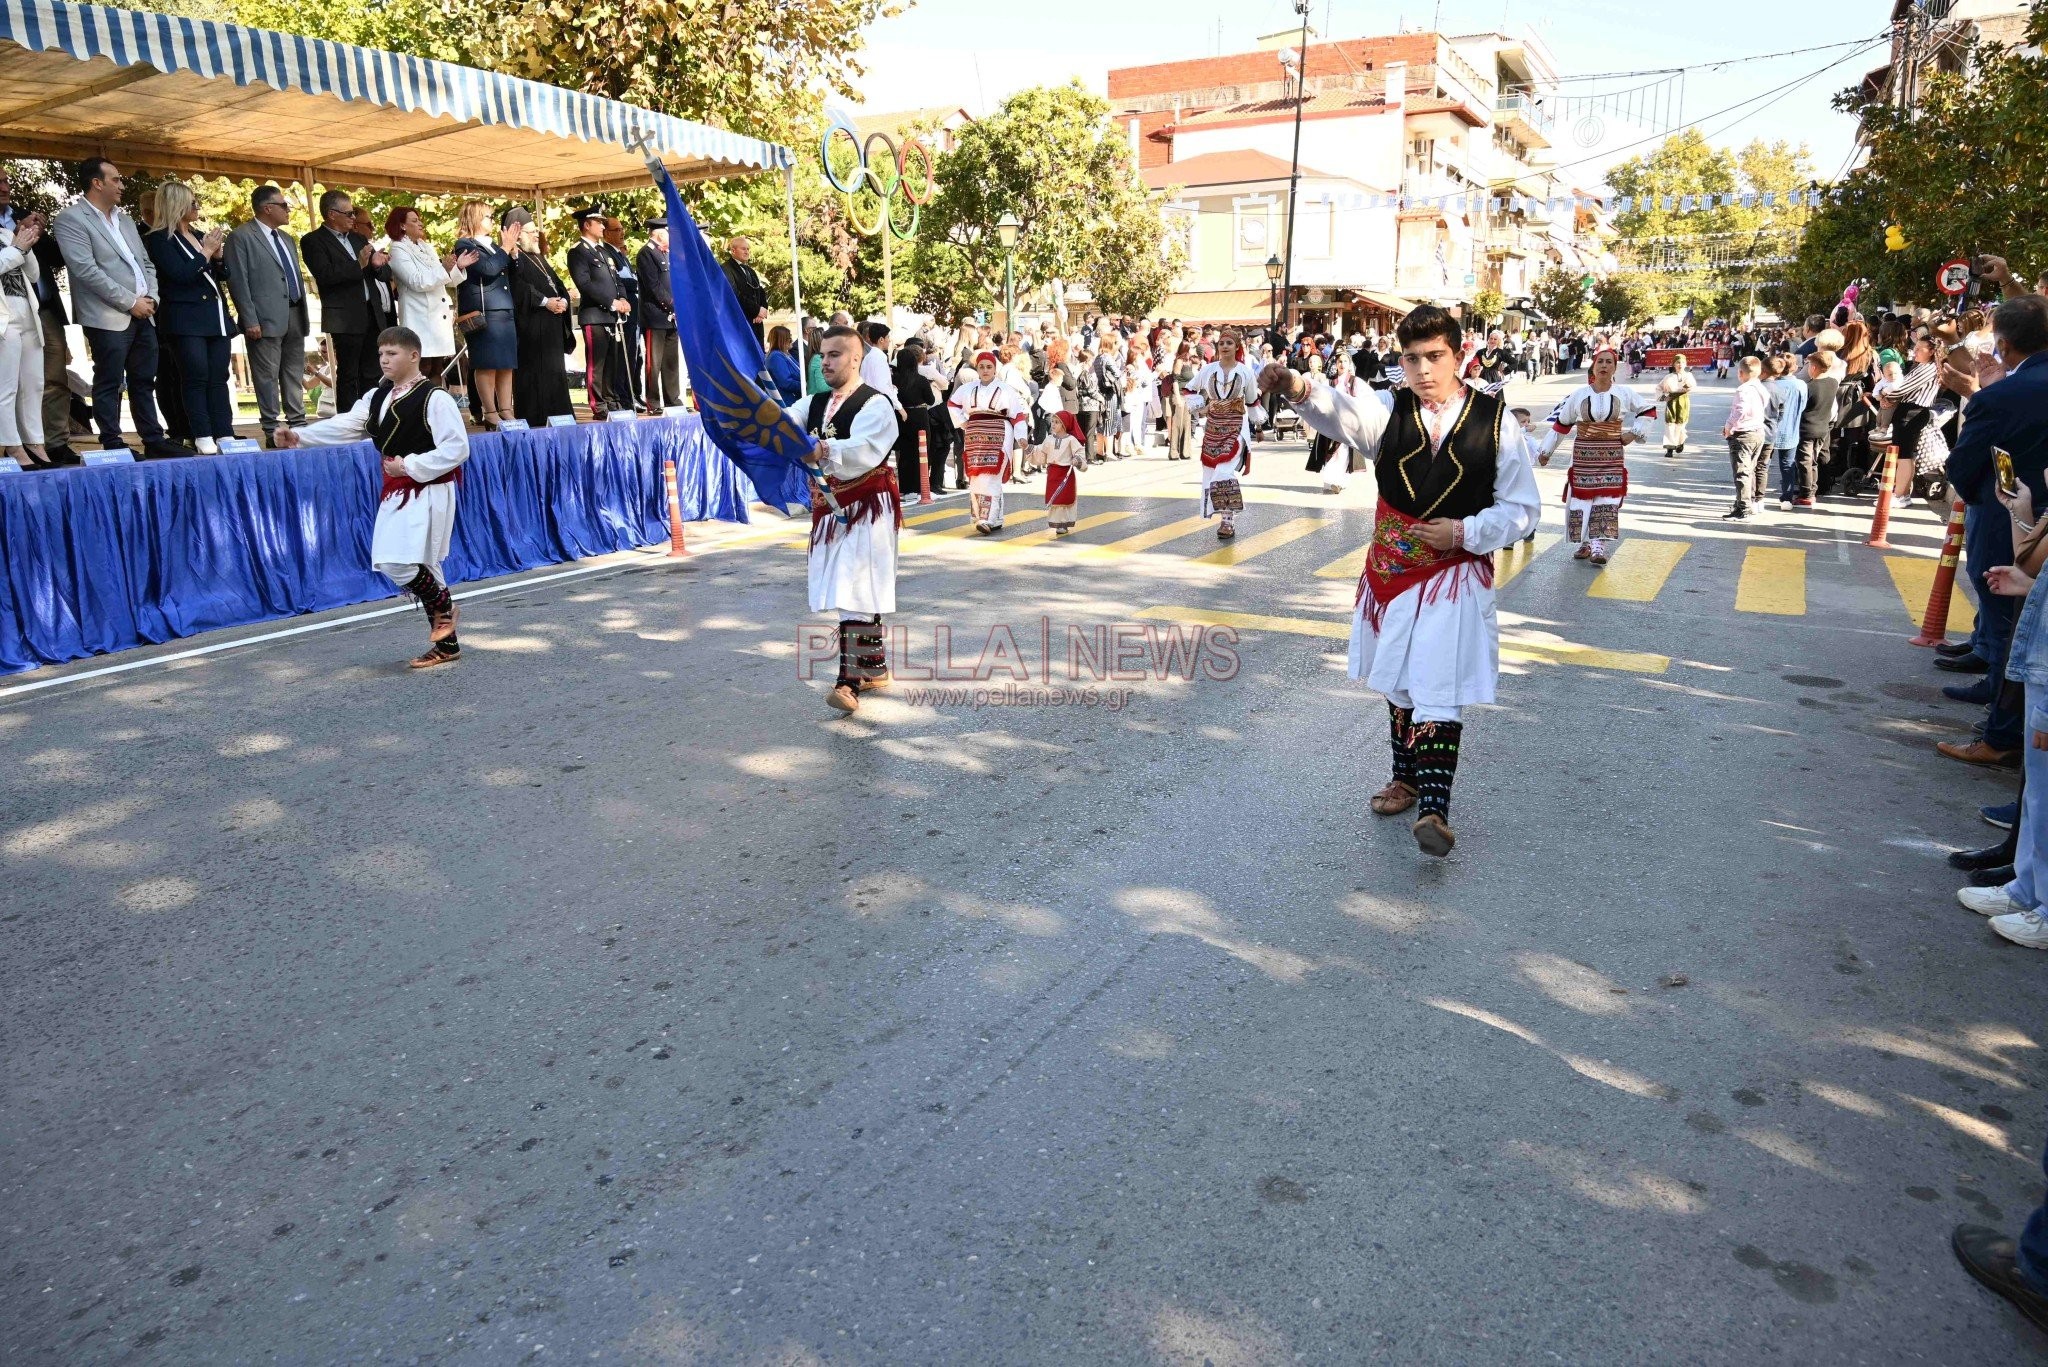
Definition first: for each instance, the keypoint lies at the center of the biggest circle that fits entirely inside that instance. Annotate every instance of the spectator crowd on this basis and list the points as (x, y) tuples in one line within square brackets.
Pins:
[(161, 302)]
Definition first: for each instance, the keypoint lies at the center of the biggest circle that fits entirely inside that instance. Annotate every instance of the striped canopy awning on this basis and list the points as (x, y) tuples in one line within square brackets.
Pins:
[(193, 96)]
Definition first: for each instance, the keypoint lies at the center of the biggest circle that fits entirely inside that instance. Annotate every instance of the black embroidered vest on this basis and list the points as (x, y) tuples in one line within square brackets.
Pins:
[(1456, 481), (400, 429), (841, 426)]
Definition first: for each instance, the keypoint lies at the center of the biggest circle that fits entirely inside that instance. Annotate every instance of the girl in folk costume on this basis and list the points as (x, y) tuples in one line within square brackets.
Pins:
[(1674, 391), (1222, 399), (853, 549), (993, 421), (1065, 458), (1606, 420), (1455, 486), (422, 444)]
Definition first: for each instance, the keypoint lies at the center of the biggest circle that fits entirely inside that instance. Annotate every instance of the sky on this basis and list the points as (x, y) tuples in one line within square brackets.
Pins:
[(942, 52)]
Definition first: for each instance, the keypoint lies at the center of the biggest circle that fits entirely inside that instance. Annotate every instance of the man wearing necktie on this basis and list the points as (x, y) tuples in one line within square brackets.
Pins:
[(270, 299)]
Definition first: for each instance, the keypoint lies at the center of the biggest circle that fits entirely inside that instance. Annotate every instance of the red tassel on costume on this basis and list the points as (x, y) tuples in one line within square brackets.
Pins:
[(870, 498), (1399, 560)]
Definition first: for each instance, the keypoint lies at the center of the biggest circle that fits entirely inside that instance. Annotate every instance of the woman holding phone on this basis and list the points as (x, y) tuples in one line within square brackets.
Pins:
[(423, 277)]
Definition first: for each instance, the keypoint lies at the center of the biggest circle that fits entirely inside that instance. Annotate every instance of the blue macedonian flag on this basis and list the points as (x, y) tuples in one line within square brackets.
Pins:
[(728, 370)]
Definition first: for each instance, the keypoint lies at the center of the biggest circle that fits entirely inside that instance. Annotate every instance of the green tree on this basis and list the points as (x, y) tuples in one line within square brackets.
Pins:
[(1488, 305), (1961, 172), (1707, 258), (1560, 293), (1625, 299), (1049, 156)]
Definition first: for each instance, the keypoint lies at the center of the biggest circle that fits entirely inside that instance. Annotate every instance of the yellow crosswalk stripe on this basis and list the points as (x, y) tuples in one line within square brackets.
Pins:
[(1346, 566), (940, 516), (1145, 540), (1251, 621), (1520, 650), (1638, 569), (1010, 519), (1518, 557), (1048, 535), (1514, 649), (1773, 580), (1272, 539), (1914, 579)]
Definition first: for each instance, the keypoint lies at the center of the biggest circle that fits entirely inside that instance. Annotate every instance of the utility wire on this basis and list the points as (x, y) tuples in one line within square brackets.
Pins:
[(1773, 96), (1713, 66)]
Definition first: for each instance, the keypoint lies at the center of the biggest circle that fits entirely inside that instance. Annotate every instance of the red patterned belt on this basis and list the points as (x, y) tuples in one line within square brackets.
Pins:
[(1399, 560)]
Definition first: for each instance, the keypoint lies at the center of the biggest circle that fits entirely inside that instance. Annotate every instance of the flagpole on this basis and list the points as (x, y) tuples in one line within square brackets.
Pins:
[(796, 289)]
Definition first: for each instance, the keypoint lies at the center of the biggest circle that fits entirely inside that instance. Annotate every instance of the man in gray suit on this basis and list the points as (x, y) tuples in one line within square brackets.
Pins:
[(113, 294), (269, 288)]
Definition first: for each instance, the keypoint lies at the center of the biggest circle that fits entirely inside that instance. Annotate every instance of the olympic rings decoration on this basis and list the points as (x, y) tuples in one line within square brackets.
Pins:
[(889, 185)]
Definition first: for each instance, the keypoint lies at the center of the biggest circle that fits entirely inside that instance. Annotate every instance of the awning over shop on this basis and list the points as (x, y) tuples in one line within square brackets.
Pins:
[(198, 97), (1392, 303), (1220, 306)]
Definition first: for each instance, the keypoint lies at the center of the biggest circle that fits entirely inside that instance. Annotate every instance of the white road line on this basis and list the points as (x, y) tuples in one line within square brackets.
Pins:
[(215, 649)]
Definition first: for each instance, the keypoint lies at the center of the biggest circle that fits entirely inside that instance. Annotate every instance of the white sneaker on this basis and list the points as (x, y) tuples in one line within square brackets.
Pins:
[(1989, 901), (206, 446), (2023, 928), (1784, 505)]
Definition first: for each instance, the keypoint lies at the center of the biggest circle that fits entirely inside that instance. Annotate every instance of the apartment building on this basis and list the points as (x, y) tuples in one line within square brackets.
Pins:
[(1455, 123)]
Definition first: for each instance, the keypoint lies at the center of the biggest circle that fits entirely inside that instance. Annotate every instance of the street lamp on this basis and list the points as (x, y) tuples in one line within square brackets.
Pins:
[(1300, 65), (1008, 230), (1273, 271)]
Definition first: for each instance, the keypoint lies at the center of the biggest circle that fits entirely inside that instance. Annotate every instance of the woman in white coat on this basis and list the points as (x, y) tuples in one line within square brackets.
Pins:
[(421, 278), (21, 347)]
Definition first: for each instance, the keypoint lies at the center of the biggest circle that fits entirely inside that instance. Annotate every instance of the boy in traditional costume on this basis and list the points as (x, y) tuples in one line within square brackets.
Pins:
[(1455, 485), (1601, 420), (993, 422), (421, 440), (1065, 457), (855, 517), (1224, 393)]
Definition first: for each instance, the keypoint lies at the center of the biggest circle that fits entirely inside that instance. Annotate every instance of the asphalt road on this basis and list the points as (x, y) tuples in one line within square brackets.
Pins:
[(604, 999)]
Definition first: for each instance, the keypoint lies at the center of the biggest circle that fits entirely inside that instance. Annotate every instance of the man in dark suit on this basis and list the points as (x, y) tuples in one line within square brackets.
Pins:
[(658, 319), (346, 266), (2012, 415), (746, 281), (601, 310)]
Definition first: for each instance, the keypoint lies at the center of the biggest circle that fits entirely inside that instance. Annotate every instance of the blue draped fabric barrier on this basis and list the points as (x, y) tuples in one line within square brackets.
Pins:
[(102, 559)]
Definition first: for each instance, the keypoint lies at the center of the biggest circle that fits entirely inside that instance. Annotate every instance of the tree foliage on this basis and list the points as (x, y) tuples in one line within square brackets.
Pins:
[(1561, 296), (1049, 156), (1488, 305), (1962, 172), (1693, 256)]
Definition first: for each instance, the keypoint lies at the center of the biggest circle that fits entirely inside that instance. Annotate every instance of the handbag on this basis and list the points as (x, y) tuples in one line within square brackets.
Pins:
[(472, 322)]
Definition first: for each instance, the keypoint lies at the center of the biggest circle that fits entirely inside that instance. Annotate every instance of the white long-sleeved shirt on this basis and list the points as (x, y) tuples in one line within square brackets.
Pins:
[(444, 420), (1751, 410), (876, 375), (974, 396), (1618, 403)]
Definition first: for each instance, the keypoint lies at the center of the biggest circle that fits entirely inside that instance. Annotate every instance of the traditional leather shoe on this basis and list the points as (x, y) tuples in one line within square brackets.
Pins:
[(1977, 752), (440, 628), (1434, 835), (1977, 694), (1990, 857), (1951, 649), (1993, 1259), (1392, 800), (843, 697), (1963, 664), (1992, 878), (875, 685), (439, 653)]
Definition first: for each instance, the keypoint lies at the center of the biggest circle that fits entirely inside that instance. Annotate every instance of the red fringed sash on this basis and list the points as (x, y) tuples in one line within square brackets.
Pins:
[(406, 486), (870, 498), (1399, 560)]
